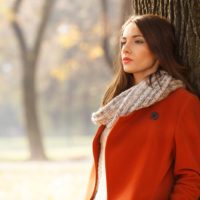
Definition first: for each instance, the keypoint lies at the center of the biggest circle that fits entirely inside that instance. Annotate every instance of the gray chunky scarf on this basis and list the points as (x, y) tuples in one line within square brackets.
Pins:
[(138, 96)]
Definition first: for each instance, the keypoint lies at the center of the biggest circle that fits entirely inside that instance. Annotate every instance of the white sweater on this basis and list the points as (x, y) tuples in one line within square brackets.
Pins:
[(101, 193)]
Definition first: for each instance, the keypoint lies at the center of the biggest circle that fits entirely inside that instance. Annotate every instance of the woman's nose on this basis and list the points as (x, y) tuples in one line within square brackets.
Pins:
[(126, 48)]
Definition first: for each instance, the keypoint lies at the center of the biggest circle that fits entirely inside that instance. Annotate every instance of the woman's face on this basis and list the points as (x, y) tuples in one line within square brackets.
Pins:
[(136, 56)]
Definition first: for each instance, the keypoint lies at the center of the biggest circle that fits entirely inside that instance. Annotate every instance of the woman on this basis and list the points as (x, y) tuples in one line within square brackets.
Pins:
[(147, 146)]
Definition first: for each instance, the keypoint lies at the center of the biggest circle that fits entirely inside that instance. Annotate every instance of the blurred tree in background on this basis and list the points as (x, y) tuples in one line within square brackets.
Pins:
[(54, 67), (185, 16), (29, 60)]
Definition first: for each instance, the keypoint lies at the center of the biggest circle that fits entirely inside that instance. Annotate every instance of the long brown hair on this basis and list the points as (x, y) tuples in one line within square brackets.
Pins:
[(160, 37)]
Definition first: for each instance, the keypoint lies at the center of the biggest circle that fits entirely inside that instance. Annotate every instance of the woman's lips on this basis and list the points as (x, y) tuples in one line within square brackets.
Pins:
[(126, 60)]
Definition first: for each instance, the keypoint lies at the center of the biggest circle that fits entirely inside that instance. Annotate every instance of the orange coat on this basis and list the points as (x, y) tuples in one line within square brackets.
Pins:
[(153, 153)]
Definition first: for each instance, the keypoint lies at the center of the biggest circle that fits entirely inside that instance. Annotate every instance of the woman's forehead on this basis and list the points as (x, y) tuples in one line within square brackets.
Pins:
[(131, 30)]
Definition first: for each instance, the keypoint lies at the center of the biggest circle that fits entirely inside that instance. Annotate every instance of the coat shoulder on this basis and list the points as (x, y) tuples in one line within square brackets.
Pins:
[(182, 96), (182, 92), (178, 100)]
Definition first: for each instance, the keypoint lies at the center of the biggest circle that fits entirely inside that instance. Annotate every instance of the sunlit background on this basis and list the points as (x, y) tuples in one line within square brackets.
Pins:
[(54, 68)]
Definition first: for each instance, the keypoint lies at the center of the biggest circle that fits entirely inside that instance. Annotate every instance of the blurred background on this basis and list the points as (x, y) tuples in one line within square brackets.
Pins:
[(56, 59)]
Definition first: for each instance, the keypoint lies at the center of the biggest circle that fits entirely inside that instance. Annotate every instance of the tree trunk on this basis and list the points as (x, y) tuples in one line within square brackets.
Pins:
[(185, 16), (37, 151), (108, 49), (125, 11), (29, 61), (106, 34)]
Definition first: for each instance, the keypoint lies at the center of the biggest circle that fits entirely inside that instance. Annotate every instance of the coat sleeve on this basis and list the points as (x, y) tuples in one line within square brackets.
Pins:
[(187, 152)]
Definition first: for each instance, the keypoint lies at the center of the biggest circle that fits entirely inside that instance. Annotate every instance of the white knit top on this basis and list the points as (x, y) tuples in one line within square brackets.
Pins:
[(101, 193)]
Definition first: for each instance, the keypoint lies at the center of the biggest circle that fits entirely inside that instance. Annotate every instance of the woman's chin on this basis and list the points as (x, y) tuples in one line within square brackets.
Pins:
[(128, 70)]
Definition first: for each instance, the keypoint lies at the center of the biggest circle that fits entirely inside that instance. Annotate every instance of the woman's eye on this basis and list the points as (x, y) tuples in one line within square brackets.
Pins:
[(123, 43), (139, 41)]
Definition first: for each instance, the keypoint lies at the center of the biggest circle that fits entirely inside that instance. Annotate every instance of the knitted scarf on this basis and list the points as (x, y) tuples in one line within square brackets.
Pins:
[(138, 96)]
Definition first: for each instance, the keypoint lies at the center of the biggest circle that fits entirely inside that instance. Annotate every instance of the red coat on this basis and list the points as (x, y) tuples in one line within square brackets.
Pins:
[(153, 153)]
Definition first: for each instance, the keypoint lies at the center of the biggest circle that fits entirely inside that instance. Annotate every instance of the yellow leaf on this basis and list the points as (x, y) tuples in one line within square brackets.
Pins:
[(7, 13), (97, 29), (58, 74), (96, 52), (61, 72), (70, 38)]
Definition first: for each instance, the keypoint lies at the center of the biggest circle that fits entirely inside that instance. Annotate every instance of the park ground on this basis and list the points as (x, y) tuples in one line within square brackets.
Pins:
[(63, 177)]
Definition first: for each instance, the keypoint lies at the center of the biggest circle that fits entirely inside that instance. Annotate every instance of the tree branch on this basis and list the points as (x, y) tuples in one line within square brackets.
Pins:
[(42, 26), (16, 6), (106, 34), (18, 32)]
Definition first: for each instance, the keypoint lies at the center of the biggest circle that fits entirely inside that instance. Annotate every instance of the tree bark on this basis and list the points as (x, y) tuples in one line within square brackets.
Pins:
[(185, 16), (29, 61)]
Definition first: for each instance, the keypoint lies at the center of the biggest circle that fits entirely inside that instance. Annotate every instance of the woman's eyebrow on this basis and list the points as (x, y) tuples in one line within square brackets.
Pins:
[(133, 36)]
